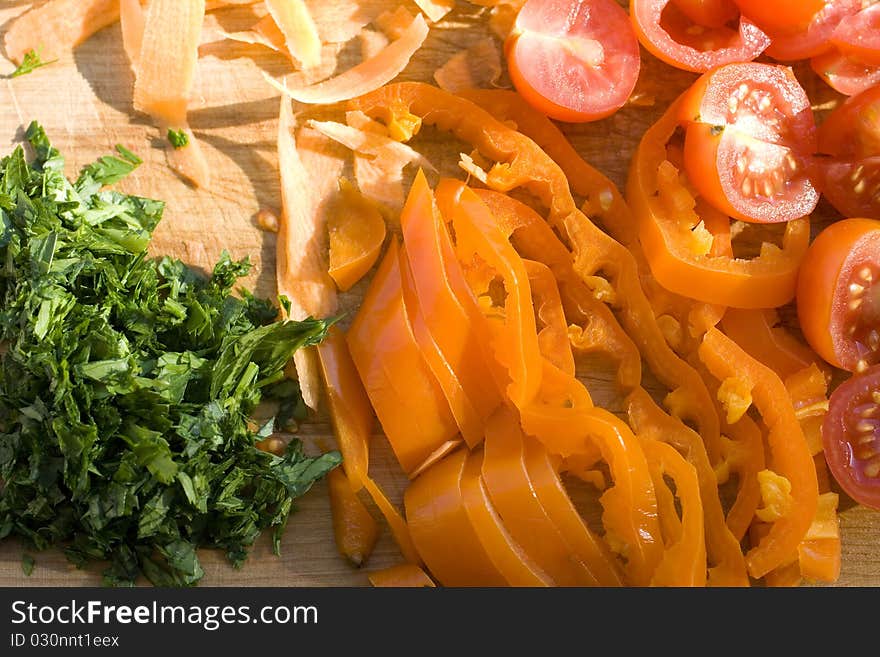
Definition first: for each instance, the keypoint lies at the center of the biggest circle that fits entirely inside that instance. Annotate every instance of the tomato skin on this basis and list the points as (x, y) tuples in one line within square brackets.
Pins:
[(843, 74), (749, 137), (573, 60), (815, 38), (827, 271), (665, 31), (858, 36), (709, 13), (840, 438), (780, 15)]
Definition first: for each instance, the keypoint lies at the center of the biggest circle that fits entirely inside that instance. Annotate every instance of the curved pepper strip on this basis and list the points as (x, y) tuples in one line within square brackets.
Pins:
[(789, 454), (603, 201), (676, 255), (479, 239), (512, 494), (442, 530), (726, 563), (404, 575), (596, 330), (684, 559), (548, 488), (394, 373), (521, 163), (744, 455), (629, 506), (446, 320), (553, 339), (759, 335), (517, 567), (352, 418)]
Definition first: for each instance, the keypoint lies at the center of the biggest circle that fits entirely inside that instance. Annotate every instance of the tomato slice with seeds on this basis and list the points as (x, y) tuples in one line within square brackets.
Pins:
[(814, 39), (838, 296), (851, 437), (667, 32), (749, 137), (573, 60), (850, 179), (858, 35), (843, 74)]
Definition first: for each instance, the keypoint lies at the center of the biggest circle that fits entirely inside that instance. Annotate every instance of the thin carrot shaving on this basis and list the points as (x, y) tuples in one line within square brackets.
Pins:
[(339, 21), (301, 270), (503, 16), (379, 167), (466, 162), (265, 32), (300, 33), (372, 43), (366, 76), (57, 27), (435, 9), (394, 23), (476, 67), (133, 20)]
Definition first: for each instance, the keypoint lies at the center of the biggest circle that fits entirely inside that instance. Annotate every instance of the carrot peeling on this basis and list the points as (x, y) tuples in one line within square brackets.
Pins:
[(300, 33)]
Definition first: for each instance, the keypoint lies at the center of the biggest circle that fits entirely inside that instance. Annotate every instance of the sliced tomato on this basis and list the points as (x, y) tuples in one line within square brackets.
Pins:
[(802, 43), (671, 35), (838, 298), (843, 74), (780, 16), (709, 13), (748, 143), (850, 179), (858, 35), (851, 437), (572, 60)]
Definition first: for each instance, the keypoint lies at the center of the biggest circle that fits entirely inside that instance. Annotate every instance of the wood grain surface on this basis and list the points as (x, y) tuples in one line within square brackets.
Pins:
[(84, 102)]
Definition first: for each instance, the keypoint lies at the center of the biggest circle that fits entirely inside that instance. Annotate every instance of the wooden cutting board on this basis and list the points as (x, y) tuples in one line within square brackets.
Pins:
[(84, 102)]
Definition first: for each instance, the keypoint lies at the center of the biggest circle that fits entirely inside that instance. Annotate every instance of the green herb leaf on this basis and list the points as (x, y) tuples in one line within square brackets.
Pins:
[(178, 138), (27, 564), (31, 62)]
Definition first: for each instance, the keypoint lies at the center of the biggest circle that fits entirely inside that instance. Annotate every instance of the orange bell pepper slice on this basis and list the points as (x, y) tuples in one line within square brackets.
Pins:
[(789, 453), (447, 323), (511, 492), (543, 472), (521, 163), (404, 575), (441, 528), (684, 559), (479, 240), (354, 528), (357, 232), (678, 243), (394, 373), (553, 339), (744, 455), (726, 563)]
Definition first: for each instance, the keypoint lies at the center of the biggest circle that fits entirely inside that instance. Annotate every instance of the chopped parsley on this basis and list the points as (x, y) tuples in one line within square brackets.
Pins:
[(127, 383), (31, 62), (178, 138)]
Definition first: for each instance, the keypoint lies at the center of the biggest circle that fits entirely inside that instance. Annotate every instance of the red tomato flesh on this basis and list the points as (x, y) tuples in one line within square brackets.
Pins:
[(851, 437), (843, 74), (858, 35), (749, 138), (850, 180), (838, 295), (708, 13), (667, 32), (574, 60), (780, 16), (815, 39)]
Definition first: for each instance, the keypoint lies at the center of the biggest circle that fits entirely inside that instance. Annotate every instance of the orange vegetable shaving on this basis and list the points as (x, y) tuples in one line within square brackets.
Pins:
[(354, 528), (300, 33), (435, 9), (357, 231), (366, 76), (133, 21), (475, 67), (405, 575)]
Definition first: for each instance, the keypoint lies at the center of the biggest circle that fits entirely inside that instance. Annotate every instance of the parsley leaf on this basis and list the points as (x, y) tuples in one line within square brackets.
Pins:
[(127, 383), (178, 138), (29, 63)]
